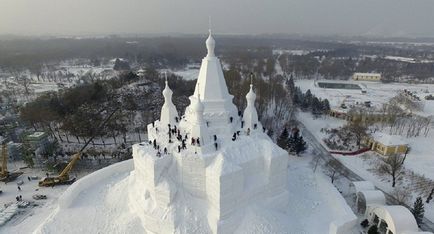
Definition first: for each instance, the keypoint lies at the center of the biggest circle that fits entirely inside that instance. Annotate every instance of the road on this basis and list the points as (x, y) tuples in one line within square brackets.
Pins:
[(427, 225)]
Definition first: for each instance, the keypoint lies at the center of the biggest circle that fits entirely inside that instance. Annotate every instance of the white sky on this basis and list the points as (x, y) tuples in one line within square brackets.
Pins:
[(325, 17)]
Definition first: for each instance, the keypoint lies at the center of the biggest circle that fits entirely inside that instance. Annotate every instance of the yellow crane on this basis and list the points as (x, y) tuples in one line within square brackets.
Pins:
[(5, 175), (63, 177), (4, 169)]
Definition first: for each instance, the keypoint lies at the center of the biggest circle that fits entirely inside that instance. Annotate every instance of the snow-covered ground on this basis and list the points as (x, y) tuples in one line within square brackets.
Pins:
[(377, 93), (100, 199), (291, 52), (26, 219), (420, 159), (364, 166), (190, 72)]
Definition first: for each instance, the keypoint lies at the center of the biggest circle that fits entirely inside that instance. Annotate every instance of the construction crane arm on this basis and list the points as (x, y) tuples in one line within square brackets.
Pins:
[(77, 156), (4, 168)]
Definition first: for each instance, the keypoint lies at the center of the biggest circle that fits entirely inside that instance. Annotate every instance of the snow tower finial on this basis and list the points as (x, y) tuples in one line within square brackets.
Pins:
[(209, 25), (210, 45), (165, 77)]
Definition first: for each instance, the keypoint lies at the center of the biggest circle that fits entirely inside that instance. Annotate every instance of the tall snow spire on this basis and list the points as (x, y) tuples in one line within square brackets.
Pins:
[(250, 115), (213, 93), (168, 111)]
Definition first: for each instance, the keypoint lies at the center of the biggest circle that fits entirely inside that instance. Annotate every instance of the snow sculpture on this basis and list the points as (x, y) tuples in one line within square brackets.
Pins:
[(211, 163), (168, 111)]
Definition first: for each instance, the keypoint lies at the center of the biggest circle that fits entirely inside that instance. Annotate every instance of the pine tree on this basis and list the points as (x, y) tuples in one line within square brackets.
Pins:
[(325, 106), (291, 86), (316, 106), (298, 97), (418, 210), (307, 99), (282, 141), (296, 144)]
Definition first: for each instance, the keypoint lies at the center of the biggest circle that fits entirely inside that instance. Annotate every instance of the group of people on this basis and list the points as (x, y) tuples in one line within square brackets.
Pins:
[(174, 131), (19, 198), (195, 141)]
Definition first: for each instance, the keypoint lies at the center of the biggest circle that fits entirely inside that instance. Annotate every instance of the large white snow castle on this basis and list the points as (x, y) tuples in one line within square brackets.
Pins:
[(213, 162)]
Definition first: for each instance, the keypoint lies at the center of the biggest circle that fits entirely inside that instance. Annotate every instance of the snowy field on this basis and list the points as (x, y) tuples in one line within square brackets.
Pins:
[(376, 92), (420, 159), (190, 72), (100, 199)]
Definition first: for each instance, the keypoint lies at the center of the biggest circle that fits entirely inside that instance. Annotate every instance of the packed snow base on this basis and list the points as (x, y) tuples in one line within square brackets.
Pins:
[(97, 203), (250, 170)]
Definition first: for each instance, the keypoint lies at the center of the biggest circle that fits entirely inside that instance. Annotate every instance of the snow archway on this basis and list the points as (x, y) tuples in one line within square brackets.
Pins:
[(369, 197), (392, 219)]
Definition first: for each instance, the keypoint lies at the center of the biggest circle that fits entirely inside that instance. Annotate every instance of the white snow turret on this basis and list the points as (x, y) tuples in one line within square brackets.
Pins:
[(250, 115), (197, 108), (168, 111), (198, 127)]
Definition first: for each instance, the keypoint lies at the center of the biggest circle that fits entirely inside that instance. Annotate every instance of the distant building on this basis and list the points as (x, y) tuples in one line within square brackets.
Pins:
[(364, 115), (386, 144), (38, 141), (366, 76), (141, 73)]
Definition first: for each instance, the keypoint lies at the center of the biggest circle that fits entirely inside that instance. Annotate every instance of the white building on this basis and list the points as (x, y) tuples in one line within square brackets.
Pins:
[(206, 155)]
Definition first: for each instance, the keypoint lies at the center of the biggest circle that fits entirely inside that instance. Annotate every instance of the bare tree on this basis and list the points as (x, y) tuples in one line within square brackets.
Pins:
[(393, 166), (334, 170), (402, 196), (357, 129)]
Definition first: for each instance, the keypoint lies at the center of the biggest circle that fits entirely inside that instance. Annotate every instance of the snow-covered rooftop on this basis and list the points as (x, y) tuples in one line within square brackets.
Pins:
[(373, 197), (362, 185), (36, 134), (367, 74), (387, 139)]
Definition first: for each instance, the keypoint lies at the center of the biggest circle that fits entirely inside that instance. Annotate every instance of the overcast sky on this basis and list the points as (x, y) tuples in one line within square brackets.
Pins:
[(318, 17)]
